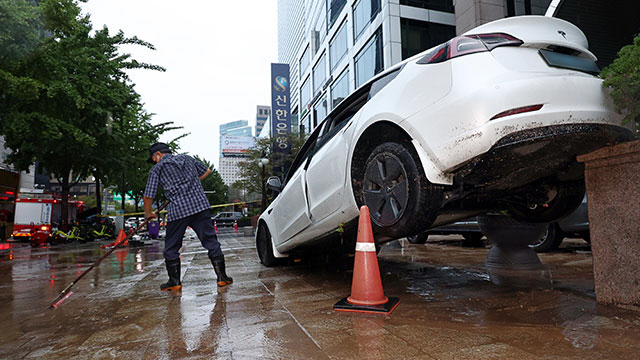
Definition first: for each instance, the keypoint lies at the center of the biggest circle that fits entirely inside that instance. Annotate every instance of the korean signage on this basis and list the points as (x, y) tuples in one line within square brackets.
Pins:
[(280, 102), (236, 144)]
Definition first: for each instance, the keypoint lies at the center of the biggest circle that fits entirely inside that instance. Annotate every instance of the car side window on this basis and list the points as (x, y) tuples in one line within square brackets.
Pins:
[(382, 82), (303, 154)]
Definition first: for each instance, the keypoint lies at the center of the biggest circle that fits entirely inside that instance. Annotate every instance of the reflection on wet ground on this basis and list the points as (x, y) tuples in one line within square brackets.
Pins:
[(451, 306)]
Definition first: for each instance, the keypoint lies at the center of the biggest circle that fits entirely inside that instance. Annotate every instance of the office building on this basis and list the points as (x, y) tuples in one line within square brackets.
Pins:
[(263, 113), (235, 139)]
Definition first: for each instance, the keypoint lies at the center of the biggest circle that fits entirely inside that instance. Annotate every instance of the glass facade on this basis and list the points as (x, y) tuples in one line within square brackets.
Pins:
[(418, 36), (334, 8), (363, 12), (305, 60), (319, 74), (319, 30), (369, 60), (338, 46), (320, 111), (340, 89), (526, 7), (439, 5), (305, 94)]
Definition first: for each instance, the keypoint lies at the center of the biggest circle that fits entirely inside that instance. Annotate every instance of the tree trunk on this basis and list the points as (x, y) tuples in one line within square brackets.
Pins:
[(136, 198), (98, 194), (65, 197)]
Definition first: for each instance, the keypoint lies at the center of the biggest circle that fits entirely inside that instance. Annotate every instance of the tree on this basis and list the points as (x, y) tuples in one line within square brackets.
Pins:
[(623, 77), (213, 185), (56, 98), (253, 175)]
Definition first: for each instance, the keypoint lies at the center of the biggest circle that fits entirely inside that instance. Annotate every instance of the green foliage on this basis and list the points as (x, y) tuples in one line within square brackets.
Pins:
[(623, 77), (213, 184), (66, 99)]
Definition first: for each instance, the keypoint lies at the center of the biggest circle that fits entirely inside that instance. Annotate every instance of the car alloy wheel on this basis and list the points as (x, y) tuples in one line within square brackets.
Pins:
[(550, 241), (386, 189), (392, 184)]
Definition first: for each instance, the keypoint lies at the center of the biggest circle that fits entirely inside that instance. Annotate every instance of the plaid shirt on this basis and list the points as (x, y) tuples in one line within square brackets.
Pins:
[(179, 177)]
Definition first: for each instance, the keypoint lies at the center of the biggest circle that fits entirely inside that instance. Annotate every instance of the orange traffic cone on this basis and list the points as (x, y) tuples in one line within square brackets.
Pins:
[(121, 236), (215, 226), (235, 226), (366, 287)]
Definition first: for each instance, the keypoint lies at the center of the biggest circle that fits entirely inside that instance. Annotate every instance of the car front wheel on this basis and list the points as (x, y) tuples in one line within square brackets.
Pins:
[(401, 200), (265, 247)]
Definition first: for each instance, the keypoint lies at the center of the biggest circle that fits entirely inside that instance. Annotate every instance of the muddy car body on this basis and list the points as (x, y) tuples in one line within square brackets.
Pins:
[(492, 119)]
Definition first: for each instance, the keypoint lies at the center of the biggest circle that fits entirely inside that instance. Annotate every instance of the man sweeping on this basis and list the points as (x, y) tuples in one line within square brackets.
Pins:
[(180, 176)]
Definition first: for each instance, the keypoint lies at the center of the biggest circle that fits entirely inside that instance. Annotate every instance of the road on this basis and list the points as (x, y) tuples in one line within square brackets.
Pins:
[(451, 306)]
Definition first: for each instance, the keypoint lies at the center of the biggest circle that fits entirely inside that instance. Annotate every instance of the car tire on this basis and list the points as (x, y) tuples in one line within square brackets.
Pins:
[(401, 200), (473, 240), (568, 198), (550, 241), (264, 247), (420, 238)]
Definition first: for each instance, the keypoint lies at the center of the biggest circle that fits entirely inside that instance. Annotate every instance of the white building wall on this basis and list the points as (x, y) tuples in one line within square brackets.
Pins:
[(228, 169)]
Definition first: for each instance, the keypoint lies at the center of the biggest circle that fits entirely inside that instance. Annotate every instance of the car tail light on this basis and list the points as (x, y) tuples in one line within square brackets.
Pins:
[(468, 44), (518, 110)]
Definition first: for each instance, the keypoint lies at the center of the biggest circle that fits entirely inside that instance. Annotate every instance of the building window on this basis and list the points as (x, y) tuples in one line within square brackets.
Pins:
[(439, 5), (320, 111), (305, 93), (340, 89), (338, 46), (319, 74), (305, 60), (319, 30), (369, 60), (363, 13), (335, 7), (526, 7), (418, 36)]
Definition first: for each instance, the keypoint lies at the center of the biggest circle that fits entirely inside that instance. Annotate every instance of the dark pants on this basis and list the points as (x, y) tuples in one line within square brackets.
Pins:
[(203, 226)]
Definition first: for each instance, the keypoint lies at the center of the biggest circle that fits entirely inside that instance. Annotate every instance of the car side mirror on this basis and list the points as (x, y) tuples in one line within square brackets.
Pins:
[(273, 183)]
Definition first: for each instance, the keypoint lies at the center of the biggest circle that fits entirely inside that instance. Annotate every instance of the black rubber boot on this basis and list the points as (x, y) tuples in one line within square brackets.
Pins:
[(219, 267), (173, 269)]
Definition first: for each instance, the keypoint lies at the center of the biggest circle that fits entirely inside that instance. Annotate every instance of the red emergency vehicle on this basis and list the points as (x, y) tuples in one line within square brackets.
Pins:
[(35, 216)]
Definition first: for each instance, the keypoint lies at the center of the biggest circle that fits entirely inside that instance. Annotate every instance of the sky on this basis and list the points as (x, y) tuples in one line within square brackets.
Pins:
[(217, 55)]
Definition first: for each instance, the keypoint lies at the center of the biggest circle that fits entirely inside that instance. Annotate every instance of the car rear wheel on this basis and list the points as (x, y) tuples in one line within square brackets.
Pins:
[(265, 247), (550, 241), (565, 198), (401, 200)]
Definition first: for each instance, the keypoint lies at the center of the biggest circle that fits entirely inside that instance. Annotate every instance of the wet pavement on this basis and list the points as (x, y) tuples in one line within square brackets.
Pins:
[(451, 306)]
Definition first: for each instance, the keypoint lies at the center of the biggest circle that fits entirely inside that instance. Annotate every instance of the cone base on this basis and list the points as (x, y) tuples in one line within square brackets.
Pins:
[(387, 308)]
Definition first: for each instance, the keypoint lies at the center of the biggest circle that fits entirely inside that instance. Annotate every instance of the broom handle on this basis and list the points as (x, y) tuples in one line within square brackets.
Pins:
[(115, 246)]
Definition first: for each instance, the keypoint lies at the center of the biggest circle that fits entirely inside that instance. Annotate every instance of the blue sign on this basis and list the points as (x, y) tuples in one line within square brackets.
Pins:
[(280, 103)]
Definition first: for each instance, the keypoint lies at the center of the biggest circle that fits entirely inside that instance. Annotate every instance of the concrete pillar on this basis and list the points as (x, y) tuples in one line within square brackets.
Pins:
[(612, 178), (470, 14)]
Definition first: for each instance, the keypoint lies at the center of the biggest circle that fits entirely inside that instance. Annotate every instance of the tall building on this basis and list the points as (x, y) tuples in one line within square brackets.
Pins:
[(334, 46), (262, 115), (235, 139)]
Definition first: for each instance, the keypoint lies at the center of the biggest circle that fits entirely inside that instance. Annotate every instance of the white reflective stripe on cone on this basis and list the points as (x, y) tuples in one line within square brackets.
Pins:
[(365, 246)]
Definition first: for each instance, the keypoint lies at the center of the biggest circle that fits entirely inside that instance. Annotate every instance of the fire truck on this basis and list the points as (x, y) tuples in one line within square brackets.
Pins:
[(34, 216)]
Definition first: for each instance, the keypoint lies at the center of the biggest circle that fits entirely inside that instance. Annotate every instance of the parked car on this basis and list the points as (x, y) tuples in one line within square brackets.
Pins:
[(575, 224), (227, 218), (490, 120)]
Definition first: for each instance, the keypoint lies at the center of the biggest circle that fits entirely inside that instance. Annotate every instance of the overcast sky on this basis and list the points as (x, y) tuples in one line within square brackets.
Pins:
[(217, 55)]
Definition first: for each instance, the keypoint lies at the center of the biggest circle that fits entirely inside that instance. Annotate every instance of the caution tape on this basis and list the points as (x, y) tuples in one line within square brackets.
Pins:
[(212, 207)]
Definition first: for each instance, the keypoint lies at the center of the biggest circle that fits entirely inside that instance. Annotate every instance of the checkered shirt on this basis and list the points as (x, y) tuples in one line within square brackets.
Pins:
[(179, 177)]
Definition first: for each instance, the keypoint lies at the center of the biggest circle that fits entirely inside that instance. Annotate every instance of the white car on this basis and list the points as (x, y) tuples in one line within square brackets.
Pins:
[(490, 120)]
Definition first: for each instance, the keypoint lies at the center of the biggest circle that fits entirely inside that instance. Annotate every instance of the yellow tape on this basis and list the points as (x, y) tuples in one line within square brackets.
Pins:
[(212, 206)]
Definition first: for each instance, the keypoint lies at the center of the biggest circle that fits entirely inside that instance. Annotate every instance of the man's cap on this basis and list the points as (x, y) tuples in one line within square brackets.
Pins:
[(162, 147)]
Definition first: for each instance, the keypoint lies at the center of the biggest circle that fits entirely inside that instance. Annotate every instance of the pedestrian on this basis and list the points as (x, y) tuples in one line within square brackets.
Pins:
[(180, 176)]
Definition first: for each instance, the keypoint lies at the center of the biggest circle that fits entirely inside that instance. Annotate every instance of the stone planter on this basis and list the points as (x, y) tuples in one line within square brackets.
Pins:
[(512, 239), (612, 179)]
